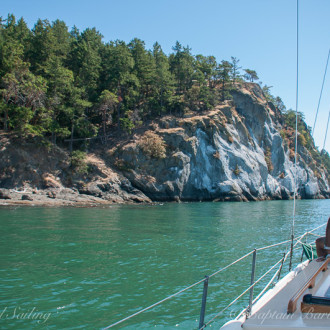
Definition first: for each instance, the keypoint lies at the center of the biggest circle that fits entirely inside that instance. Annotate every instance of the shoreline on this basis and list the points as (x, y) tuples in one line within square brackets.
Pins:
[(58, 198), (72, 198)]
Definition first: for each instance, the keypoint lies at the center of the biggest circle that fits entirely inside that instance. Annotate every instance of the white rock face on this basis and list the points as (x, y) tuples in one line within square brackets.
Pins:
[(235, 152)]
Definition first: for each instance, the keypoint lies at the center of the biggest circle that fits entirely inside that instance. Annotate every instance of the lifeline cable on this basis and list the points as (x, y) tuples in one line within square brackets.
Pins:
[(326, 132), (213, 274), (318, 106)]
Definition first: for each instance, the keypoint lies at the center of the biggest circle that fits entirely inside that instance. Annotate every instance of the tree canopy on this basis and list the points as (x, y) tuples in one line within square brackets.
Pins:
[(58, 83)]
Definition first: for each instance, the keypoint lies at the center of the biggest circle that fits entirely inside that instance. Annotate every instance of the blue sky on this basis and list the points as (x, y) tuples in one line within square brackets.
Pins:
[(261, 33)]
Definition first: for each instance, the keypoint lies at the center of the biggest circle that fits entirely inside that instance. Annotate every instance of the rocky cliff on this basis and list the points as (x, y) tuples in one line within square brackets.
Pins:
[(234, 152)]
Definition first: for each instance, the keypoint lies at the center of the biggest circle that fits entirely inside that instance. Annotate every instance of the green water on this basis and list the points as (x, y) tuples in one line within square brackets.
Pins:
[(71, 268)]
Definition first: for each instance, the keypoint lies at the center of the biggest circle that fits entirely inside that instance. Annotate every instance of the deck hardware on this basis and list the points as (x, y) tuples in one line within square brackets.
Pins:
[(202, 315), (279, 272), (310, 282), (254, 259)]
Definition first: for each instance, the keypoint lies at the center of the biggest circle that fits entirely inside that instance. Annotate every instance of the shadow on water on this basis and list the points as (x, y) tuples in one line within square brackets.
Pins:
[(92, 267)]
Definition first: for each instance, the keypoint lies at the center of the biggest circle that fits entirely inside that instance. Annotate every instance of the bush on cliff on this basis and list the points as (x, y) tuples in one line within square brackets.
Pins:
[(153, 145)]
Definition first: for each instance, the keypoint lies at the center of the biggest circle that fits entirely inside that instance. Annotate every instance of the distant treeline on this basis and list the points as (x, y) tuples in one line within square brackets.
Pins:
[(57, 83)]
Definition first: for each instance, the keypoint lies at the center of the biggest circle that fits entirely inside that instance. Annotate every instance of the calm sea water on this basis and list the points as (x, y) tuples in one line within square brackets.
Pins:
[(71, 268)]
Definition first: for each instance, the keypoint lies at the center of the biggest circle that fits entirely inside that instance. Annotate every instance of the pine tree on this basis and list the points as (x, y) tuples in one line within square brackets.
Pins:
[(224, 73), (182, 66), (106, 107), (235, 71), (85, 61), (117, 76), (250, 75), (163, 82), (41, 48)]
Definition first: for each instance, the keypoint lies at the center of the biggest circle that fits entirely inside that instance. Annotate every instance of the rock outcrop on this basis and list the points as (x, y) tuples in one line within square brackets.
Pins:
[(235, 152), (34, 174)]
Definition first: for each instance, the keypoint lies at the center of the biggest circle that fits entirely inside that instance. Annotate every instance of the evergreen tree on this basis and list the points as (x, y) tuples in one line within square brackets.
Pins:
[(22, 95), (85, 61), (235, 71), (207, 65), (163, 82), (267, 93), (106, 107), (60, 90), (182, 66), (57, 83), (250, 75), (117, 76), (279, 104), (62, 40), (206, 77), (224, 73), (42, 46), (144, 67)]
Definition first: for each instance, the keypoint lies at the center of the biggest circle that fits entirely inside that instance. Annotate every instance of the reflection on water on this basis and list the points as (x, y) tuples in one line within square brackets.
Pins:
[(92, 267)]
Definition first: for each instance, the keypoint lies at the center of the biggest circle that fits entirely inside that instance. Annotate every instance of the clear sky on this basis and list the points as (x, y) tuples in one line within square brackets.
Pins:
[(261, 33)]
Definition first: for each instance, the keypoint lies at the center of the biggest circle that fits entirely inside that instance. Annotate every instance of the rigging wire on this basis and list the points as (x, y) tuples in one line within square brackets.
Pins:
[(296, 142), (318, 106), (326, 132)]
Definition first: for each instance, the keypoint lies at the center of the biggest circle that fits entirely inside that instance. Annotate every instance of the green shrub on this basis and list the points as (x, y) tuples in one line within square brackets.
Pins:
[(153, 145), (283, 135), (127, 125), (123, 165), (237, 170), (78, 162), (302, 140), (268, 159)]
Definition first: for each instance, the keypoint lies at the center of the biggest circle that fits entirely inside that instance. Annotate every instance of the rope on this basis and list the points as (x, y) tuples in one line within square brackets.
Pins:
[(299, 241), (269, 246), (314, 234), (318, 106), (326, 132)]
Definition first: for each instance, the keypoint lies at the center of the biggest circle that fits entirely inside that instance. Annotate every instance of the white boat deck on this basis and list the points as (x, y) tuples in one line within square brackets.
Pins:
[(271, 311)]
